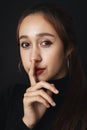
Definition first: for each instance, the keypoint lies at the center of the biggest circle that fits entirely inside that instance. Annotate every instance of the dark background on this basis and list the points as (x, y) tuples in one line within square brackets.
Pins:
[(10, 12)]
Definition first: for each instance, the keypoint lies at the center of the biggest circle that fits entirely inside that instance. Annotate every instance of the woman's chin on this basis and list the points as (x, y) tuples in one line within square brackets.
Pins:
[(41, 78)]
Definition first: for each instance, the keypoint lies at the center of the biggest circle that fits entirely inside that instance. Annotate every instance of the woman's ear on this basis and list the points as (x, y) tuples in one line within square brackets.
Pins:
[(69, 51)]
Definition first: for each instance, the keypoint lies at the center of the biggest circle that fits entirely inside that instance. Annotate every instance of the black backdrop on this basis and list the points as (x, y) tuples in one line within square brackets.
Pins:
[(10, 12)]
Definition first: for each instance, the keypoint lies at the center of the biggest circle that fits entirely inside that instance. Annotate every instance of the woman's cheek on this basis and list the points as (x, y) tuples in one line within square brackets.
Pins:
[(25, 62)]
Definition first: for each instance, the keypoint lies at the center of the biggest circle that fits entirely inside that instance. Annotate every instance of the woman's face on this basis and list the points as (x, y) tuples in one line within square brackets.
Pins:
[(41, 43)]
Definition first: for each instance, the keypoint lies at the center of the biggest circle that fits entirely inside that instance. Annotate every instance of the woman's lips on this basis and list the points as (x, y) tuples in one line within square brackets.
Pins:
[(39, 70)]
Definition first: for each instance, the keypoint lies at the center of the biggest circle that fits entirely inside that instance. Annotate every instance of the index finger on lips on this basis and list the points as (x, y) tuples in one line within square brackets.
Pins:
[(32, 75)]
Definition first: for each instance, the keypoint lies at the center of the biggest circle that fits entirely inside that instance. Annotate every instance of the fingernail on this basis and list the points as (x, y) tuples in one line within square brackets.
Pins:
[(48, 106), (56, 91), (53, 104)]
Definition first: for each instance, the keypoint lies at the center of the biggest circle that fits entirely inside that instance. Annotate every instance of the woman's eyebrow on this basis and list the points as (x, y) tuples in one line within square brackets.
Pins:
[(38, 35), (23, 36), (45, 34)]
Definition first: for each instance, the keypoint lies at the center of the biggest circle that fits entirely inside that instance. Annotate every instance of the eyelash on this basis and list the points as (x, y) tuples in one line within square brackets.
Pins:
[(43, 44), (47, 43), (25, 44)]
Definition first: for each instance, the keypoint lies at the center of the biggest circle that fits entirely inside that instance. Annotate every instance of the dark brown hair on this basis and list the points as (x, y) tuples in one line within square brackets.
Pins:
[(74, 108)]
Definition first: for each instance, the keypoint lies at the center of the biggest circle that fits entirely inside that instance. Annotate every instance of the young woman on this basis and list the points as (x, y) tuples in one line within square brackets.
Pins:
[(55, 98)]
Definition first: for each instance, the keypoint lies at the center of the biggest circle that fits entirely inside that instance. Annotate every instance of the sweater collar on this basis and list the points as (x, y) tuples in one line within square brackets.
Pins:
[(61, 84)]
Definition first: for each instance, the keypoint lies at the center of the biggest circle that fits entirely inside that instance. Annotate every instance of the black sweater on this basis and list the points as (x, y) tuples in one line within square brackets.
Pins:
[(11, 107)]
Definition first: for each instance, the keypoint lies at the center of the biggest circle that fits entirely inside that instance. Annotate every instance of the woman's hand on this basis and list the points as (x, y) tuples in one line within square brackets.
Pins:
[(36, 100)]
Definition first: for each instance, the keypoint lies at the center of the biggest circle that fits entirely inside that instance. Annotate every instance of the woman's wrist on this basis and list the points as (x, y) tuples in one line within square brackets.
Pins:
[(27, 123)]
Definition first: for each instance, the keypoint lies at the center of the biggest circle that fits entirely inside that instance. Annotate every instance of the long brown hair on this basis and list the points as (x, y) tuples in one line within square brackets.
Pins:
[(74, 108)]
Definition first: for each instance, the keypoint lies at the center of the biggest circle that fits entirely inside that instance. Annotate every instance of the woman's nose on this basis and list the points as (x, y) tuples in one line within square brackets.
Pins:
[(36, 55)]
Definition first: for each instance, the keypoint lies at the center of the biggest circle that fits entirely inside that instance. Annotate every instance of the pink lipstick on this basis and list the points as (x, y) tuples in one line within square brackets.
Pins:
[(39, 70)]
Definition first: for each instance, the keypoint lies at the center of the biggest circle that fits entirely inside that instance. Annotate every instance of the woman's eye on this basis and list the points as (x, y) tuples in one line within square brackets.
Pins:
[(46, 43), (25, 44)]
